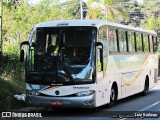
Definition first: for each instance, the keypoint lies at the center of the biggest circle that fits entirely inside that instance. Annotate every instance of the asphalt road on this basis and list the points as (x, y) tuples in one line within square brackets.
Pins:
[(137, 105)]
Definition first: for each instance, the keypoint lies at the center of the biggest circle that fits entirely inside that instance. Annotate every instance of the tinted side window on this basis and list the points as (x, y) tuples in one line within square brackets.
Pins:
[(112, 40), (155, 45), (139, 42), (145, 39), (122, 41), (103, 37), (131, 42), (151, 43)]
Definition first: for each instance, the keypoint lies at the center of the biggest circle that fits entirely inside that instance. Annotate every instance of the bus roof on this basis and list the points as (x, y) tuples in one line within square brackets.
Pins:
[(90, 23)]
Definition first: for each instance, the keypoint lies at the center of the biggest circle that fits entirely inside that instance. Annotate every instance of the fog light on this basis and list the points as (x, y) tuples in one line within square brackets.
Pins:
[(89, 102), (86, 102)]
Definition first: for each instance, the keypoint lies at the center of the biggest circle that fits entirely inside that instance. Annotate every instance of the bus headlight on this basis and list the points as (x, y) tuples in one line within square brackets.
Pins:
[(85, 93), (31, 92)]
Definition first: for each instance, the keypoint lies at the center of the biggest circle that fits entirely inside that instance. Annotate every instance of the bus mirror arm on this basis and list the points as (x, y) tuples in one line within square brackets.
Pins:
[(101, 58), (101, 53), (22, 51), (21, 55)]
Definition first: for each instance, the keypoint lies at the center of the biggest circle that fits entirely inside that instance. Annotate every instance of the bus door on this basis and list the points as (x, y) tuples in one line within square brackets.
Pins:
[(101, 62)]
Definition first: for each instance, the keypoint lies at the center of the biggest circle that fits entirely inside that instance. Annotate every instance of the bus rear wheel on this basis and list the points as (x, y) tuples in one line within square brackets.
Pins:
[(146, 87), (113, 96)]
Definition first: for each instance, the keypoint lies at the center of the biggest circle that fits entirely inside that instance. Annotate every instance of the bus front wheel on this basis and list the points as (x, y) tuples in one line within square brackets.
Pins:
[(113, 96)]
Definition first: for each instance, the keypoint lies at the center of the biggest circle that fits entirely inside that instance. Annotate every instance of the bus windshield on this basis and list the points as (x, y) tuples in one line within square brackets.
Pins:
[(61, 55)]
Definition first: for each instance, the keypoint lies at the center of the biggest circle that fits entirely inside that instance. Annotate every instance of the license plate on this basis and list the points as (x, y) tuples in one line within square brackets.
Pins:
[(57, 103)]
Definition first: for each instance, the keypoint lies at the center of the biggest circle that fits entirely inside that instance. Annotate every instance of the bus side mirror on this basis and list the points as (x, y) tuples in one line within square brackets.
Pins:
[(21, 55), (22, 51), (100, 53)]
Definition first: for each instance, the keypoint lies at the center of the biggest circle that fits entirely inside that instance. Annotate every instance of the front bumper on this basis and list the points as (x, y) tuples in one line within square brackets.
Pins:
[(73, 102)]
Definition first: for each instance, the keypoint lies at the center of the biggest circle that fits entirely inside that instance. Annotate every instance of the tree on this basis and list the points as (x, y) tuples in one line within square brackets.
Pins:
[(72, 9), (153, 24), (136, 17), (111, 9), (95, 13), (151, 10)]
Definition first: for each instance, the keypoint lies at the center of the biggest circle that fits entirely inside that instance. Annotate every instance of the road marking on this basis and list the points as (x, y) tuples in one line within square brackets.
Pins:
[(150, 106)]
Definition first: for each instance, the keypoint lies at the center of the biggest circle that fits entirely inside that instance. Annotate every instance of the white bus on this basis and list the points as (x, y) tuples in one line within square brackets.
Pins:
[(88, 63)]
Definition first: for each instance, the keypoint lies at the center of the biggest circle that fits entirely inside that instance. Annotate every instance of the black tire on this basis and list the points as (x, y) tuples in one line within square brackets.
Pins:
[(146, 87), (113, 96)]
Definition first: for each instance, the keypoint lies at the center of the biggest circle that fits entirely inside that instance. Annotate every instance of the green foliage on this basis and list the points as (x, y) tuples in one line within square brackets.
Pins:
[(95, 13), (135, 14), (150, 8), (111, 9), (153, 24), (72, 9), (11, 82), (152, 21)]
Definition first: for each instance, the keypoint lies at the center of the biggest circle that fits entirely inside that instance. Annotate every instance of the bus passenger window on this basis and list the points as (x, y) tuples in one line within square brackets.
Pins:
[(131, 43), (155, 43), (145, 41), (103, 38), (156, 40), (139, 42), (122, 41), (112, 40), (151, 43)]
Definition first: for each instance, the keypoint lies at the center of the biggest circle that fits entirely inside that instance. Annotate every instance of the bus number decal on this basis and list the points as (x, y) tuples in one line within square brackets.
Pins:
[(35, 87)]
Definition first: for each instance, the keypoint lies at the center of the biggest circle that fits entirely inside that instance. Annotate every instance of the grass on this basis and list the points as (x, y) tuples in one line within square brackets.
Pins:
[(11, 82)]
